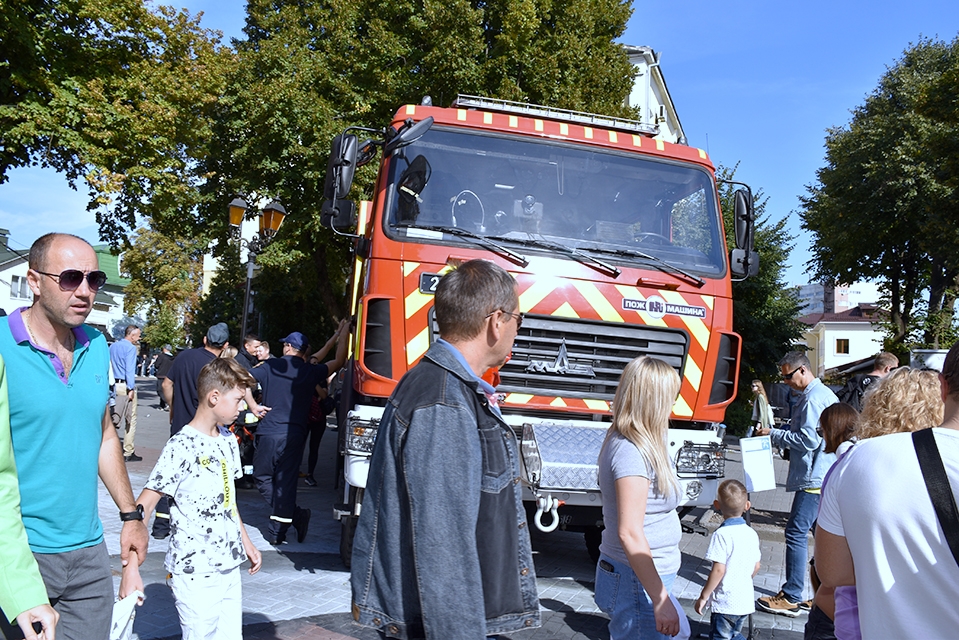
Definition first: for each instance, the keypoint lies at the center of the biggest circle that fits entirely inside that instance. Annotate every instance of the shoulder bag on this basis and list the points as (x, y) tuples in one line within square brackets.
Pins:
[(937, 484)]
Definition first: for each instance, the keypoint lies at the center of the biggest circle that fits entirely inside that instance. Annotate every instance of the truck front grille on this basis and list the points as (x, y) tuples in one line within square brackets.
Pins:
[(595, 354)]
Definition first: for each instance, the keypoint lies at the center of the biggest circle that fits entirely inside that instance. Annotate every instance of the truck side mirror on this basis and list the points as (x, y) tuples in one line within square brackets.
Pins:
[(743, 264), (407, 134), (337, 211), (743, 220), (340, 215)]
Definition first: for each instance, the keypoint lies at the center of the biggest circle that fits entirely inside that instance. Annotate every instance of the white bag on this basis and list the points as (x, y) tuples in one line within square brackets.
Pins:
[(684, 630), (124, 611)]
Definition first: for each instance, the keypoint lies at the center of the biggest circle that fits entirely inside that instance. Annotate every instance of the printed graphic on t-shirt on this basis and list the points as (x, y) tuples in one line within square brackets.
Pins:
[(197, 471)]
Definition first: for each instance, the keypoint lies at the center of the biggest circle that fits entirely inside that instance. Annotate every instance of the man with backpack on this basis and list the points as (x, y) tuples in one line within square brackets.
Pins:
[(855, 388)]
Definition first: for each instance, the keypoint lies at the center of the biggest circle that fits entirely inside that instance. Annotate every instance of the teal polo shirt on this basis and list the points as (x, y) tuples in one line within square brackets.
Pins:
[(56, 424)]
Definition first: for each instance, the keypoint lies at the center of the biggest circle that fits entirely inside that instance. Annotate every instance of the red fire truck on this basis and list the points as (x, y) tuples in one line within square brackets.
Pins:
[(616, 241)]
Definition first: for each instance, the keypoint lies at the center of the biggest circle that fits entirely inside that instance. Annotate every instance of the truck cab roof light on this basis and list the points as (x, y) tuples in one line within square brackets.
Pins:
[(552, 113)]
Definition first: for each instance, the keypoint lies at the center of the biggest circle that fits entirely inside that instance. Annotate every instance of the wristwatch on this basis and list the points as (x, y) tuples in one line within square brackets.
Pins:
[(126, 516)]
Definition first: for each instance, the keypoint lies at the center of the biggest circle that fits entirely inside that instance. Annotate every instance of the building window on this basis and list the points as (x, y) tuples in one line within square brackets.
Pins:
[(842, 346), (19, 288)]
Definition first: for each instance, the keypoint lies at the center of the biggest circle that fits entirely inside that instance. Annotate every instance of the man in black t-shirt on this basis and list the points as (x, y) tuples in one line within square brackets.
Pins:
[(164, 361), (287, 384)]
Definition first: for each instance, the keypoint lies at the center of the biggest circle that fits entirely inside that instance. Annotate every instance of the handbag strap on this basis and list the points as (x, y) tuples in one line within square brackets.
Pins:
[(937, 484)]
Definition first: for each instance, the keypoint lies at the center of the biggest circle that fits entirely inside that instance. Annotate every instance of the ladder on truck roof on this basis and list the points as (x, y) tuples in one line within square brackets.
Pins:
[(552, 113)]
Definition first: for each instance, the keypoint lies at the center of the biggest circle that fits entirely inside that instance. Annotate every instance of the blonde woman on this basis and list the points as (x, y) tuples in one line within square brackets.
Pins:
[(762, 412), (639, 554)]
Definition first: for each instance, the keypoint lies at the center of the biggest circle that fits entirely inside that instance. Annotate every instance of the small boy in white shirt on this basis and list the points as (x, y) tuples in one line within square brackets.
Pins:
[(734, 552), (208, 541)]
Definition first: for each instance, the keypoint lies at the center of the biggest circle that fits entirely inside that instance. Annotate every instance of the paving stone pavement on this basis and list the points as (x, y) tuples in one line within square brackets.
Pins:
[(303, 592)]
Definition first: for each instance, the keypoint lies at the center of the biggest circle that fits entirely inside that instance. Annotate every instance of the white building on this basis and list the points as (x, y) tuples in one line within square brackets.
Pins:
[(651, 96), (837, 339)]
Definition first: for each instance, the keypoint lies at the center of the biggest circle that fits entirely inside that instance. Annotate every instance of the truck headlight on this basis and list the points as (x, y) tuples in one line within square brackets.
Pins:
[(693, 489), (701, 460), (360, 434)]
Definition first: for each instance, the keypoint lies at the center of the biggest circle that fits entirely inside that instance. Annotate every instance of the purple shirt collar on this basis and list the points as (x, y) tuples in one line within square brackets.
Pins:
[(20, 334)]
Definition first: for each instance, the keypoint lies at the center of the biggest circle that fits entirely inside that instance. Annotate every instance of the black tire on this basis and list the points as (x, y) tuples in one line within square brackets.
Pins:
[(593, 537)]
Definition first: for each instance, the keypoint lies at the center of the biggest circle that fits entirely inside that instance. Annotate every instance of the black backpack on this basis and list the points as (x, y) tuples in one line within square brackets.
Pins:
[(855, 389)]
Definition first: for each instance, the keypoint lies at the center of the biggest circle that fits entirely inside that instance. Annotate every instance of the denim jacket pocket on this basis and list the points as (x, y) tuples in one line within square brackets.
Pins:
[(496, 463)]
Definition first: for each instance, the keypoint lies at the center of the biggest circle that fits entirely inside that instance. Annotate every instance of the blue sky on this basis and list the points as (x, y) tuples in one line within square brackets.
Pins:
[(756, 83)]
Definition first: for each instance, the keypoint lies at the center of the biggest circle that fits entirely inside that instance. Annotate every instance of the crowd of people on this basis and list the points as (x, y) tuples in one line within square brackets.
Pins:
[(876, 486)]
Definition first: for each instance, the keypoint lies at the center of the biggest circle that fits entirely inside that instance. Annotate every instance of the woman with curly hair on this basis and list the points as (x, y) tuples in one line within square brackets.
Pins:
[(639, 555), (905, 400)]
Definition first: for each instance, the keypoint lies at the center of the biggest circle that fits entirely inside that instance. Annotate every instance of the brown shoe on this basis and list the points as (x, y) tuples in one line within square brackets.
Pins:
[(779, 604)]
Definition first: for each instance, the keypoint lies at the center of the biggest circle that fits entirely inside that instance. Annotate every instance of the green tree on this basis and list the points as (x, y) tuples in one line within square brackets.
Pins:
[(307, 70), (165, 280), (115, 95), (765, 311), (884, 207)]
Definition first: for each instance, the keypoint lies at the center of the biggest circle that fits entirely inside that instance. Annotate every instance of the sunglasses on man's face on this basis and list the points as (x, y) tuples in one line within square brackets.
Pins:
[(788, 376), (70, 279)]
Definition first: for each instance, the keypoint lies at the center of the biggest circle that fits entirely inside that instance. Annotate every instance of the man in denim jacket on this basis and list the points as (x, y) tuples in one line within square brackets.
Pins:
[(808, 463), (442, 545)]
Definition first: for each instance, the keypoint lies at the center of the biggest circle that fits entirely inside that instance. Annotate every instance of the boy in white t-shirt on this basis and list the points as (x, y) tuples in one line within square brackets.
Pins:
[(208, 541), (734, 552)]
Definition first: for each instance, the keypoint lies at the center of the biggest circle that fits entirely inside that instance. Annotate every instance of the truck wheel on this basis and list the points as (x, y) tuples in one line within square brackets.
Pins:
[(593, 537)]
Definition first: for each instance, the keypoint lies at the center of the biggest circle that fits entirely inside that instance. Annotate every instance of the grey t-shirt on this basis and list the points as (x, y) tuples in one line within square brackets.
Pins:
[(620, 458)]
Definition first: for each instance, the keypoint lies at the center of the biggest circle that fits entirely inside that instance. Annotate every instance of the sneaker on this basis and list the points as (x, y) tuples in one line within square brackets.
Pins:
[(310, 481), (133, 457), (806, 606), (301, 522), (779, 604)]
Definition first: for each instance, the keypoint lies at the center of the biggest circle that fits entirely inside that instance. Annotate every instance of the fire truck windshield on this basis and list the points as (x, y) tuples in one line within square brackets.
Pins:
[(624, 206)]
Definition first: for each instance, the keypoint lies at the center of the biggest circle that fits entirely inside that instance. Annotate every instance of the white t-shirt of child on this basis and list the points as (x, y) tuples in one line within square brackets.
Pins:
[(905, 574), (735, 545), (197, 472)]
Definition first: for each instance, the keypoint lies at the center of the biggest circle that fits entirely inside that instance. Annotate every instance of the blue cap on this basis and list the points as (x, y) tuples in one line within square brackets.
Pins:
[(296, 340)]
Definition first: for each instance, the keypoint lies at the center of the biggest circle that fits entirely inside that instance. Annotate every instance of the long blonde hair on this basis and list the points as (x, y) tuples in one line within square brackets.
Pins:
[(905, 400), (762, 389), (644, 399)]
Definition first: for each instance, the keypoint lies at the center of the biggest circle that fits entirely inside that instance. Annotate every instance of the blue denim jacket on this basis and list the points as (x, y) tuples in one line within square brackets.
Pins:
[(808, 461), (442, 545)]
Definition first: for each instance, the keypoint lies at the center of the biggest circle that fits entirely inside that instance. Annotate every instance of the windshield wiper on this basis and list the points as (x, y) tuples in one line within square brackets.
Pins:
[(588, 260), (663, 265), (476, 238)]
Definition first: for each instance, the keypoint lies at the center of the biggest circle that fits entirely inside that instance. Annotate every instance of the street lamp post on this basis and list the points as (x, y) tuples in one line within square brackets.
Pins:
[(271, 217)]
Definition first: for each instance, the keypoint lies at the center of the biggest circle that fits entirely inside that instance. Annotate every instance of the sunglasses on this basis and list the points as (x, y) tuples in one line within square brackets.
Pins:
[(70, 279), (787, 376), (518, 316)]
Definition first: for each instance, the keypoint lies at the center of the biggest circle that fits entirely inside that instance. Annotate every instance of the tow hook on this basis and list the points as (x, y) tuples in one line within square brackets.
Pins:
[(551, 504)]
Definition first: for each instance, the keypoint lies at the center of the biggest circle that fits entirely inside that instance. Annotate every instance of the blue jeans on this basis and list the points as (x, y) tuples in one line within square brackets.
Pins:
[(726, 627), (620, 595), (801, 519)]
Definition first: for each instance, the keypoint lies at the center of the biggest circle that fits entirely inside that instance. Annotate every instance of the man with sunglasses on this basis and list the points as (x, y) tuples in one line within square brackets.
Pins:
[(63, 437), (442, 544), (808, 463)]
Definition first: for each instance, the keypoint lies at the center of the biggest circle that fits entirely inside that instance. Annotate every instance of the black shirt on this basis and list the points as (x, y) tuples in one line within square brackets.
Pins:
[(184, 373), (287, 385), (163, 363)]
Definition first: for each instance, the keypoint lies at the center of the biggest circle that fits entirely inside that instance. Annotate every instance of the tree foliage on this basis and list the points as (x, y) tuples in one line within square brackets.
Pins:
[(165, 280), (886, 203), (115, 95)]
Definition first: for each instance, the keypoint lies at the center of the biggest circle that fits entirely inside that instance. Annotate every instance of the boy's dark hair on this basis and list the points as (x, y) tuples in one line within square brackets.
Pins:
[(223, 374), (732, 497)]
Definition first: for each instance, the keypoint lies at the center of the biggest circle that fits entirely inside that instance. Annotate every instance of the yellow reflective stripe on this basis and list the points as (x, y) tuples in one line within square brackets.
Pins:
[(513, 122), (563, 129), (411, 109), (409, 267), (487, 118), (558, 402), (696, 326), (566, 311), (660, 145), (461, 115), (416, 301), (693, 373), (708, 301), (417, 346), (680, 408), (597, 405), (637, 140), (538, 125), (588, 133), (596, 300), (613, 137), (518, 398), (541, 288), (702, 154), (634, 294)]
